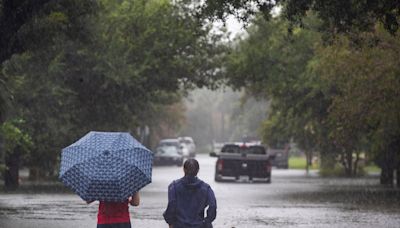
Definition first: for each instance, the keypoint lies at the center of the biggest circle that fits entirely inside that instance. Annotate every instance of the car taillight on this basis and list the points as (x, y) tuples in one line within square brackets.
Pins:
[(220, 165)]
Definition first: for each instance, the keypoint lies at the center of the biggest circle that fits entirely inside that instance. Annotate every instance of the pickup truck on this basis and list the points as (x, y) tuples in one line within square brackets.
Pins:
[(236, 161)]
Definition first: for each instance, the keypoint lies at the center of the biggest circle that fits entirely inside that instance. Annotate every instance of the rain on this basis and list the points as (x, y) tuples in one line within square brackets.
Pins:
[(290, 109)]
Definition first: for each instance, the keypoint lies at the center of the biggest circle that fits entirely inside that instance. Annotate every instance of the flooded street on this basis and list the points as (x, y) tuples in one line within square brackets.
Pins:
[(291, 200)]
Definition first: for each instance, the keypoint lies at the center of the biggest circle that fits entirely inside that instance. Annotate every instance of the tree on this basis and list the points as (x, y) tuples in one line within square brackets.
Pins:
[(365, 109), (339, 99), (13, 16), (273, 64), (17, 145), (337, 16), (107, 66), (29, 74)]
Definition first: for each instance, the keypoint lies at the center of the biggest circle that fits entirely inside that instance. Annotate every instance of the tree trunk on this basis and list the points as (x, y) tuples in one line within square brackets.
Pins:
[(387, 162), (33, 173), (307, 162), (328, 160), (2, 152), (398, 176), (37, 173), (355, 171), (349, 161), (386, 176), (11, 174)]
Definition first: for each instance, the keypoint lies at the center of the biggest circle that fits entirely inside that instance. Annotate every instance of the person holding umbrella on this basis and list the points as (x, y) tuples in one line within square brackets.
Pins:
[(109, 167), (188, 197), (116, 214)]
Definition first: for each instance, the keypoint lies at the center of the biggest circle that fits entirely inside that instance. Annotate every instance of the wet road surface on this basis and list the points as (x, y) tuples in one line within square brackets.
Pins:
[(291, 200)]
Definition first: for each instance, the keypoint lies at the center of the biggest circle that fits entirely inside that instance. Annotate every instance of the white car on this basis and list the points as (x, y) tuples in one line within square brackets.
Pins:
[(188, 147), (171, 142)]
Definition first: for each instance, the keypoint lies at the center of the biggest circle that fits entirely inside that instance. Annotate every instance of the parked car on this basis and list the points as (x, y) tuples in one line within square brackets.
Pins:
[(171, 142), (245, 160), (217, 146), (188, 146), (281, 157), (167, 155)]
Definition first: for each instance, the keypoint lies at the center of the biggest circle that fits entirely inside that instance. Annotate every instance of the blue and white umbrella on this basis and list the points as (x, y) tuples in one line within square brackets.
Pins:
[(106, 166)]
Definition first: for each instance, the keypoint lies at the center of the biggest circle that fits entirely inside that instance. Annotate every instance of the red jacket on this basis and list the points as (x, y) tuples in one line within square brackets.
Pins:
[(113, 212)]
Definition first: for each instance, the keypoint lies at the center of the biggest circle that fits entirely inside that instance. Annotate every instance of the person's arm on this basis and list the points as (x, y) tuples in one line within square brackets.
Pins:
[(170, 212), (135, 199), (212, 207)]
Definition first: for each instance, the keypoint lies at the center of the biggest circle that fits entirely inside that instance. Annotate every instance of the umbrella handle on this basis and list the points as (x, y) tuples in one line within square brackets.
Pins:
[(135, 199)]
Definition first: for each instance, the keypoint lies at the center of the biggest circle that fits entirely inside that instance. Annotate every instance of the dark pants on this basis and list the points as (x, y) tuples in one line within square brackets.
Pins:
[(115, 225)]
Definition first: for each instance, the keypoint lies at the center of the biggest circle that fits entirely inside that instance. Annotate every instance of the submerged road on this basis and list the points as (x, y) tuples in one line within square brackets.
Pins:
[(291, 200)]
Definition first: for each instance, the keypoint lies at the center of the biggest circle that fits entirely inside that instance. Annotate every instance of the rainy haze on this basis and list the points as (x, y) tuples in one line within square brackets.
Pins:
[(291, 108)]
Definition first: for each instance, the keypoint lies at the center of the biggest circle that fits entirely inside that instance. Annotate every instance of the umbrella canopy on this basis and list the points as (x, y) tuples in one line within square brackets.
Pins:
[(106, 166)]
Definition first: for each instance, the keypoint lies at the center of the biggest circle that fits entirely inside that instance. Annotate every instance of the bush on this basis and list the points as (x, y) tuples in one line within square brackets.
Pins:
[(339, 171)]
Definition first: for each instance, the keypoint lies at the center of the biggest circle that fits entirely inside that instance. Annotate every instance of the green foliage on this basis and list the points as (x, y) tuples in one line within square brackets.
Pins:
[(337, 16), (296, 162), (271, 63), (28, 25), (371, 169), (14, 137), (14, 140), (274, 131), (3, 98), (336, 171), (340, 171), (338, 98), (103, 65), (365, 109)]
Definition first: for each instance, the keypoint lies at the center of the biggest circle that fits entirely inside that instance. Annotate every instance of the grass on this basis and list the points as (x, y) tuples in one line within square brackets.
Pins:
[(372, 169), (339, 171), (297, 162)]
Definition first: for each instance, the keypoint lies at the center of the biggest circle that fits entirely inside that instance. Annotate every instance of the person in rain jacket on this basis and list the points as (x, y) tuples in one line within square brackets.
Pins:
[(187, 199)]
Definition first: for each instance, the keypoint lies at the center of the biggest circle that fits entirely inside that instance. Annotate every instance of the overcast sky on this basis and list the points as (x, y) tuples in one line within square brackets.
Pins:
[(234, 26)]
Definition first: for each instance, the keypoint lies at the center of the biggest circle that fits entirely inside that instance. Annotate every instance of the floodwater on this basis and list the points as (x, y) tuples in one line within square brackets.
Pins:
[(291, 200)]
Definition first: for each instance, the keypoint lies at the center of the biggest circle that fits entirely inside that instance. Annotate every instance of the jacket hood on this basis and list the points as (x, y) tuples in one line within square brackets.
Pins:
[(191, 182)]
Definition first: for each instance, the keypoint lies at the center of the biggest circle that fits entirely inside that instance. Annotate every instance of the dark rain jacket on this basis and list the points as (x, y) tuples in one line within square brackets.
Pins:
[(187, 199)]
